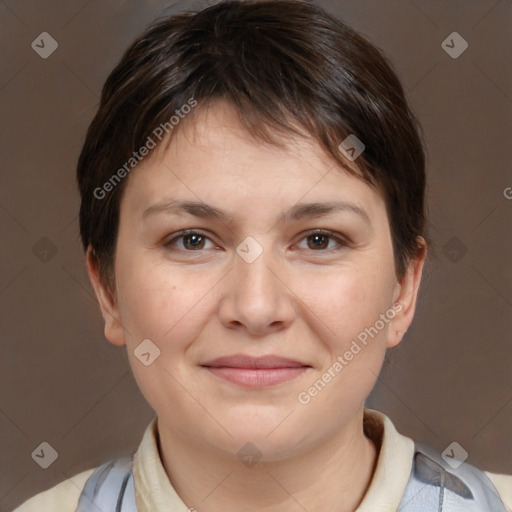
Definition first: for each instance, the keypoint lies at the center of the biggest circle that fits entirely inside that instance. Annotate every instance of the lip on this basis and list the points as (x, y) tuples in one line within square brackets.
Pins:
[(255, 372), (250, 362)]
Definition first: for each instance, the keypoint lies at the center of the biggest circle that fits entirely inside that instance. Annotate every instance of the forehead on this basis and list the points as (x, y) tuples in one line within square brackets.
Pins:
[(213, 159)]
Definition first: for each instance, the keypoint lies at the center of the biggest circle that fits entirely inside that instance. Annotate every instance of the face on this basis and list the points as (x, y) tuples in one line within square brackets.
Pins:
[(261, 275)]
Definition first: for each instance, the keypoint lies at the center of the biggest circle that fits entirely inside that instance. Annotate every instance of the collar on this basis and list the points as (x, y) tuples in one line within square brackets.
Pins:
[(155, 493)]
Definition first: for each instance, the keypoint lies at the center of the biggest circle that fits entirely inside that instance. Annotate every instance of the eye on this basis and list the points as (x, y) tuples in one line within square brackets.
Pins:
[(193, 241), (319, 240)]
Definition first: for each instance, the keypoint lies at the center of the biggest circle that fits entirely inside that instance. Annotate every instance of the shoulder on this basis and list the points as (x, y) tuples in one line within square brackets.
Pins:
[(63, 497), (503, 484), (455, 482)]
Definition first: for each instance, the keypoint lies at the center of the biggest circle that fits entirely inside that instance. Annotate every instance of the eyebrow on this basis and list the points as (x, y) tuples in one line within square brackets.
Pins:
[(297, 212)]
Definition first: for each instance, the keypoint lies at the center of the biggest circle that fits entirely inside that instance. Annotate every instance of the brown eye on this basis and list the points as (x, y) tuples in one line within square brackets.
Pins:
[(319, 241), (195, 241), (191, 241)]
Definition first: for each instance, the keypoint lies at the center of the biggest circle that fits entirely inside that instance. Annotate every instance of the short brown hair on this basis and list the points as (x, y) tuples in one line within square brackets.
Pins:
[(280, 63)]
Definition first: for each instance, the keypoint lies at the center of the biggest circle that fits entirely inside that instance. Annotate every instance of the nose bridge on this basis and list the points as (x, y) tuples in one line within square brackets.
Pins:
[(252, 265), (257, 296)]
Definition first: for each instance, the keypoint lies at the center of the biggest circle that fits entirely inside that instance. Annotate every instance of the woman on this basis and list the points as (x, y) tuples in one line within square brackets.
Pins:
[(253, 215)]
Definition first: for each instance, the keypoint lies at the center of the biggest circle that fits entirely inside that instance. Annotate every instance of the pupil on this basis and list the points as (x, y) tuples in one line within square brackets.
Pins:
[(194, 239), (316, 238)]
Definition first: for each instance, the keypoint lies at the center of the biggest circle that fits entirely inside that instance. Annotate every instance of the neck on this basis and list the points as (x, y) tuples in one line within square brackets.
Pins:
[(332, 476)]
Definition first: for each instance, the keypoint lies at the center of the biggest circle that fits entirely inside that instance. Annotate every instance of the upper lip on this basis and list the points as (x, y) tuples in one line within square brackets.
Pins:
[(245, 361)]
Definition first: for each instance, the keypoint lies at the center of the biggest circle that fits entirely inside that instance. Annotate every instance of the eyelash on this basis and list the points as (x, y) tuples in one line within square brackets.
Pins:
[(341, 242)]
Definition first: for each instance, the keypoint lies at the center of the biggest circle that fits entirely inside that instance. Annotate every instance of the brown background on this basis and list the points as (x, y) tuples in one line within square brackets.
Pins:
[(63, 383)]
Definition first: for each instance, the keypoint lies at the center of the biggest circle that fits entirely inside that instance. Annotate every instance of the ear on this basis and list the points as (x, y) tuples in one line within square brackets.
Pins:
[(405, 296), (114, 331)]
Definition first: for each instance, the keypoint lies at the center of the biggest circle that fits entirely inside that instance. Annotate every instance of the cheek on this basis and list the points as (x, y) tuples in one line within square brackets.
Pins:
[(349, 302), (164, 307), (154, 303), (346, 321)]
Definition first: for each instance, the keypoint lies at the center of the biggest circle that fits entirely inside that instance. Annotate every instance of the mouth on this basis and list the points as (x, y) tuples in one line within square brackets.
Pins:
[(255, 372)]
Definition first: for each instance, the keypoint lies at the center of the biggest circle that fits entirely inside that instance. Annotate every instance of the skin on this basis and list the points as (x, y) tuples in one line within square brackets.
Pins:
[(295, 300)]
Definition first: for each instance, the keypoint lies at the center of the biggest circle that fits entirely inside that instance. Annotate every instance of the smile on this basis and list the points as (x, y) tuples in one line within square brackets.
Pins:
[(256, 377)]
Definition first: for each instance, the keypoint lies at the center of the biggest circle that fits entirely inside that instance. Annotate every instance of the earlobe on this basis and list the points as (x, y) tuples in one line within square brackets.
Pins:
[(113, 329)]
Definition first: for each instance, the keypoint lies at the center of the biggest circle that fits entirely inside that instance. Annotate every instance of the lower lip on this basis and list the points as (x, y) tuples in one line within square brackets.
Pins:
[(257, 378)]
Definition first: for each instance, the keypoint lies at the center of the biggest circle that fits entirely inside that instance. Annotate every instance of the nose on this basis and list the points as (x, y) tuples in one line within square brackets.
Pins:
[(256, 296)]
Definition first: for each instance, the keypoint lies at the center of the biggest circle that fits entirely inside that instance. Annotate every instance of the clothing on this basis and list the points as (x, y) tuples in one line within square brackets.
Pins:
[(154, 492), (432, 487)]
